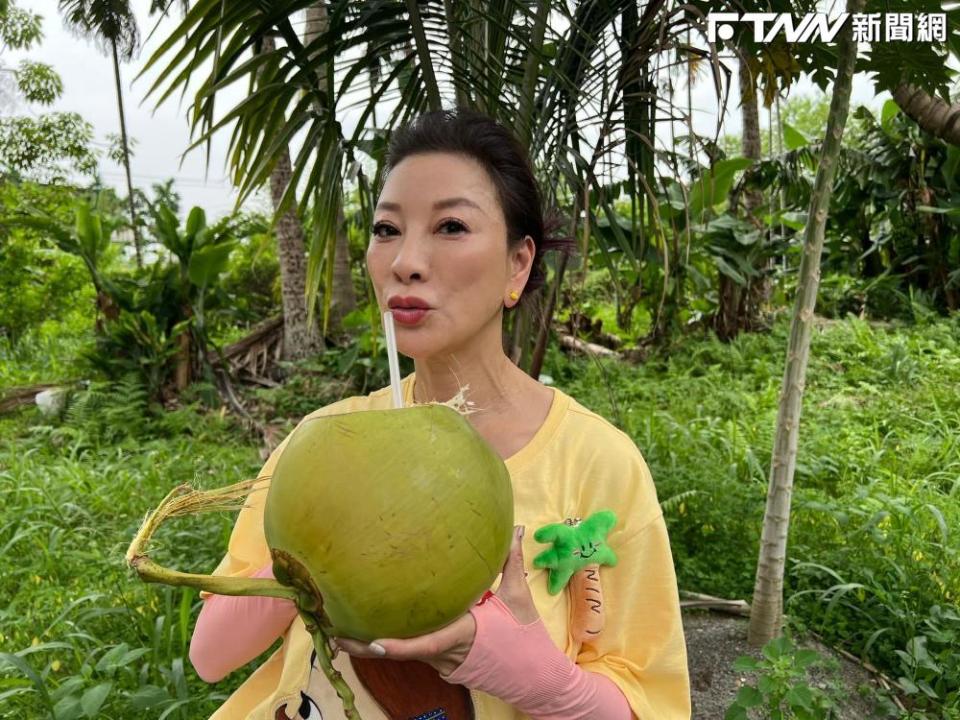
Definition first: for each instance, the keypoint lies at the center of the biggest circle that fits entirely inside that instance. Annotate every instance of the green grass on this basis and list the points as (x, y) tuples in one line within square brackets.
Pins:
[(873, 554), (48, 353), (874, 544), (87, 638)]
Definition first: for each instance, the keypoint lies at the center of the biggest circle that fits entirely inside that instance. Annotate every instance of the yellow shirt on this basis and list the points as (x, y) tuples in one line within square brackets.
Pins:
[(576, 464)]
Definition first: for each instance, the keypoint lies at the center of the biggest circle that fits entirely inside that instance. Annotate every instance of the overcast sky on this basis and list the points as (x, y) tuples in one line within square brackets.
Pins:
[(162, 135)]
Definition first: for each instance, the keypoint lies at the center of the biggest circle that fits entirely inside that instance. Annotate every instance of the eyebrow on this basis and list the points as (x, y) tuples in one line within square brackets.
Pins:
[(439, 205)]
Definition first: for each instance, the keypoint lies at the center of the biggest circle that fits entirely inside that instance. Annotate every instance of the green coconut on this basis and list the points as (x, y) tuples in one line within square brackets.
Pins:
[(396, 520)]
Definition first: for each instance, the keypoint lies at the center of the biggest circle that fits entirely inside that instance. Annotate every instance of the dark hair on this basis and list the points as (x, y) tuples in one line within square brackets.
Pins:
[(478, 136)]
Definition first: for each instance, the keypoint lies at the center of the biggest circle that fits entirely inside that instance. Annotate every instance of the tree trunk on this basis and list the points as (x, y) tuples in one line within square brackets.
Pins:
[(757, 292), (527, 320), (929, 112), (184, 356), (343, 296), (726, 322), (300, 337), (543, 333), (737, 303), (766, 614), (520, 325), (126, 155), (106, 310), (535, 320), (781, 259)]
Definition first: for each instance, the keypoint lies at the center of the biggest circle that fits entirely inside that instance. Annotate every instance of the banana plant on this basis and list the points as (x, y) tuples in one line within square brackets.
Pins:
[(202, 254), (173, 294), (201, 251)]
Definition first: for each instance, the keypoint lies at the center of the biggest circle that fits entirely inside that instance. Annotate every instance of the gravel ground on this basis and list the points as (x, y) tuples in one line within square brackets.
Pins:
[(716, 640)]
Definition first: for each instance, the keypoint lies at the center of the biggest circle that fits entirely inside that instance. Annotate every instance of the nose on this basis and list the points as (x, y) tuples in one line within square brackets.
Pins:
[(412, 258)]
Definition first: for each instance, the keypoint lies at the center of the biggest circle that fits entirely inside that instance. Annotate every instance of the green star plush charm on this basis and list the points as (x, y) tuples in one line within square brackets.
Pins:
[(575, 546)]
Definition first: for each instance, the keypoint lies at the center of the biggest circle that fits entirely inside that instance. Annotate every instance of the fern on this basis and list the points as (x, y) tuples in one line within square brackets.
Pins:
[(110, 411)]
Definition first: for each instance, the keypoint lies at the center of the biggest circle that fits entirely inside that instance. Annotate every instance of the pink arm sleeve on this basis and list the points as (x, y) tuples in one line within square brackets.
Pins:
[(520, 665), (233, 630)]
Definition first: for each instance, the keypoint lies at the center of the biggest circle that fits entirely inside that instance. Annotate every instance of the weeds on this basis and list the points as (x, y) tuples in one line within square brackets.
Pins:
[(84, 637), (782, 690), (873, 553), (874, 546)]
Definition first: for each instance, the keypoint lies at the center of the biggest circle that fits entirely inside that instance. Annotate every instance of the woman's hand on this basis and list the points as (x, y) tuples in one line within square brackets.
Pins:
[(446, 648)]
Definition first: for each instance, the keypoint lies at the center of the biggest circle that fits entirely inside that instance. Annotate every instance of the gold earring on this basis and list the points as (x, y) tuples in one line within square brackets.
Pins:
[(513, 295)]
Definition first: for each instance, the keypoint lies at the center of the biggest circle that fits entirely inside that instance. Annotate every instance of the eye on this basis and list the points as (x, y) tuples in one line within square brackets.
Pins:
[(455, 224), (379, 227)]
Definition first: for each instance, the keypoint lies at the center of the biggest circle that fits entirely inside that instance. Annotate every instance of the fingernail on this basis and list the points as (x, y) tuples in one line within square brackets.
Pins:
[(520, 533), (377, 649)]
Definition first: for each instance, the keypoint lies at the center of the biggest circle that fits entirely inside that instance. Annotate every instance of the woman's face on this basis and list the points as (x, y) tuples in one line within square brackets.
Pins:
[(439, 234)]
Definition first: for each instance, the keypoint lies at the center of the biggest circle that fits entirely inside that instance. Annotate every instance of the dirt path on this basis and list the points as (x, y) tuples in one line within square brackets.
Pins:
[(716, 640)]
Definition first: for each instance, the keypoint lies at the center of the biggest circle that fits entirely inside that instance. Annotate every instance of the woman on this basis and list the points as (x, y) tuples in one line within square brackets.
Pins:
[(458, 236)]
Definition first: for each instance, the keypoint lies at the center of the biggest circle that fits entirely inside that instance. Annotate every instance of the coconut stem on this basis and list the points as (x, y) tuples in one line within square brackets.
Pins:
[(150, 572), (321, 641), (184, 500)]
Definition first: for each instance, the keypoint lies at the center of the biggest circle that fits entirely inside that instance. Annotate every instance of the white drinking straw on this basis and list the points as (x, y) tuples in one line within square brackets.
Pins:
[(392, 359)]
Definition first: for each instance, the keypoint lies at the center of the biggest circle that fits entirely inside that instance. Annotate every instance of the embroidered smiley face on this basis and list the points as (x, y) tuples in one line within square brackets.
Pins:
[(587, 551)]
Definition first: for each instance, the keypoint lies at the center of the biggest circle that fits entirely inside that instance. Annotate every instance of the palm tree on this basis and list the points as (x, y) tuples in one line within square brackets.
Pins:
[(113, 24), (300, 337), (734, 297), (549, 70), (929, 112), (343, 298)]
